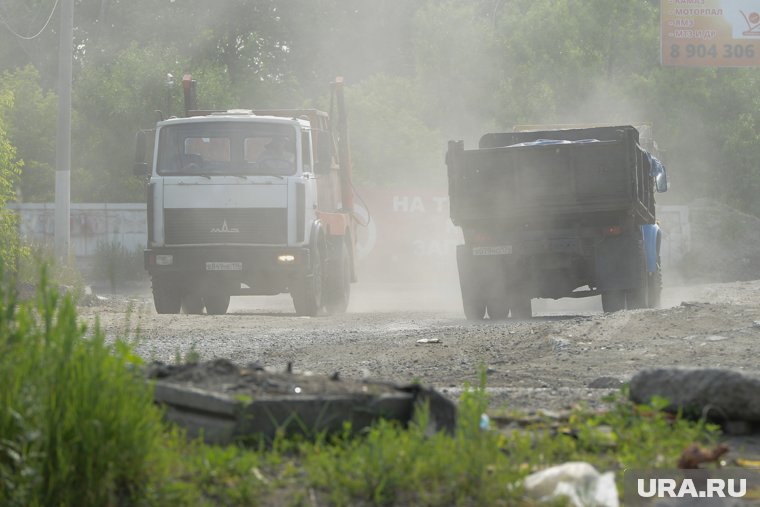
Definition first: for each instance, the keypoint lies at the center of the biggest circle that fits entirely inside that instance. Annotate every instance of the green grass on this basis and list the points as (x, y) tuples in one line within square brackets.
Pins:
[(78, 428), (77, 422)]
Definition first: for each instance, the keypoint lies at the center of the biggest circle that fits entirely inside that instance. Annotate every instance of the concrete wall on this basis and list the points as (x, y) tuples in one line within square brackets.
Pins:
[(91, 225)]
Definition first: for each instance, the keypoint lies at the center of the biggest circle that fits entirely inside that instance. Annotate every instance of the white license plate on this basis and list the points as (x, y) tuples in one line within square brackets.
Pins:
[(492, 250), (224, 266)]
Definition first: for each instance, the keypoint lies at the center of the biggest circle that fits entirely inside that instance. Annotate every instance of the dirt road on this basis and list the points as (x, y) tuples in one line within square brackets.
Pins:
[(569, 352)]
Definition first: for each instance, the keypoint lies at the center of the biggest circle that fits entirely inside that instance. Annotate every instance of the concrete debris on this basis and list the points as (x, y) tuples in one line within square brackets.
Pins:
[(225, 403), (718, 394)]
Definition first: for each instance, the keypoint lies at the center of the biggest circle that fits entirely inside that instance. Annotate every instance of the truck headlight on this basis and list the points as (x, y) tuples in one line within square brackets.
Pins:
[(286, 259), (164, 260)]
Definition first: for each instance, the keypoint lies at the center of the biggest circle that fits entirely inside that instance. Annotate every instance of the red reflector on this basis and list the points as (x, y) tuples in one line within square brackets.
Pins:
[(613, 230), (480, 237)]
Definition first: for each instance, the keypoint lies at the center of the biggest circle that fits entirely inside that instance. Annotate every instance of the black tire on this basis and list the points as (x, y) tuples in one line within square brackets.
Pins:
[(474, 295), (497, 302), (637, 298), (613, 301), (522, 308), (192, 303), (654, 287), (498, 309), (338, 281), (308, 292), (474, 307), (217, 302), (166, 296)]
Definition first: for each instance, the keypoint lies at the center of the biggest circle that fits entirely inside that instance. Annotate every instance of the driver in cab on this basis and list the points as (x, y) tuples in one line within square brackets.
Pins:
[(277, 150)]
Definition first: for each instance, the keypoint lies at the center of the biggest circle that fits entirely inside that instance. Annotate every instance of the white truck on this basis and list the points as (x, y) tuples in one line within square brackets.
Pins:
[(245, 202)]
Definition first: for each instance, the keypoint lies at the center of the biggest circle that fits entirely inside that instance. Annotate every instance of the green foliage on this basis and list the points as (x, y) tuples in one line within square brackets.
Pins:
[(117, 264), (10, 249), (639, 436), (390, 465), (457, 68), (61, 273), (79, 427), (115, 99), (229, 475), (31, 123), (419, 73), (391, 144)]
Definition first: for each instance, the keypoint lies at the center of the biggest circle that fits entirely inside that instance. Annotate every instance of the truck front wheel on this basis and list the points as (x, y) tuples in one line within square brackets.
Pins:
[(654, 286), (307, 292), (166, 296), (338, 283)]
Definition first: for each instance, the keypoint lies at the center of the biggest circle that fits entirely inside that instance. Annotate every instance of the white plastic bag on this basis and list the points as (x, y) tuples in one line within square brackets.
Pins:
[(578, 481)]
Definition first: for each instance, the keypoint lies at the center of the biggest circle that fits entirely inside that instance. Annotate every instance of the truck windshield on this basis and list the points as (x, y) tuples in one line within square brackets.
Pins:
[(227, 148)]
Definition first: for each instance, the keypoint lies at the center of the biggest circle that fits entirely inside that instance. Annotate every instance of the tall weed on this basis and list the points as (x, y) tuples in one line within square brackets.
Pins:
[(78, 426)]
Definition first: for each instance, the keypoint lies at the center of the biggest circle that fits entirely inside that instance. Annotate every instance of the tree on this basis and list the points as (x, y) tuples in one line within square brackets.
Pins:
[(114, 100), (391, 143), (10, 249), (30, 125)]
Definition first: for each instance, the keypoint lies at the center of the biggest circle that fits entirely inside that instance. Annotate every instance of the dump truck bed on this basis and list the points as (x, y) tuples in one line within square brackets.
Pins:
[(597, 175)]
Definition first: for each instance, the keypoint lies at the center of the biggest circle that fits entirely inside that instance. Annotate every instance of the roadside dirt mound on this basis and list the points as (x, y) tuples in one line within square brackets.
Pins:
[(725, 244)]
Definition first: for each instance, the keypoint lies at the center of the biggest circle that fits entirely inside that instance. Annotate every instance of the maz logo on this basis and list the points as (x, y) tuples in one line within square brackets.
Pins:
[(224, 228)]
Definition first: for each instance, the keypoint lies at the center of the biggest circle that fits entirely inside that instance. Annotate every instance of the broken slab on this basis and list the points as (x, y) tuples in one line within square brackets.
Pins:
[(223, 403), (717, 394)]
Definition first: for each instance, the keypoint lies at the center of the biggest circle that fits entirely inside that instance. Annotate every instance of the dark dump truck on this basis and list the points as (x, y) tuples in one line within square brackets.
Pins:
[(553, 214)]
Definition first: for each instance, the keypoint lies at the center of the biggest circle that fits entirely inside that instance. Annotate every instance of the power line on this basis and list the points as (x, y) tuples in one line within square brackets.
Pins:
[(26, 37)]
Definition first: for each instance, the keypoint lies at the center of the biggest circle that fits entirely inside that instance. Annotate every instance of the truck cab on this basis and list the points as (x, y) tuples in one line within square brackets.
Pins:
[(244, 202)]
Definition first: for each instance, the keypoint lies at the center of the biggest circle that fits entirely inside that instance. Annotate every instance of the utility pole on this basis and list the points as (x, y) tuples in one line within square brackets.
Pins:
[(63, 133)]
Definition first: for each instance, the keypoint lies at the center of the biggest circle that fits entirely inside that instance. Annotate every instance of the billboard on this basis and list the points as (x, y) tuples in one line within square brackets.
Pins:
[(410, 236), (710, 33)]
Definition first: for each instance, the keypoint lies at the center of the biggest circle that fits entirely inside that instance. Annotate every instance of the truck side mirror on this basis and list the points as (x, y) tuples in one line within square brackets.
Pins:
[(140, 167), (660, 177), (324, 153)]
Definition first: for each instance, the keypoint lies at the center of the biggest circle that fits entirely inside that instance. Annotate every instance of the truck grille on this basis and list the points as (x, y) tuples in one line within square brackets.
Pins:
[(266, 226)]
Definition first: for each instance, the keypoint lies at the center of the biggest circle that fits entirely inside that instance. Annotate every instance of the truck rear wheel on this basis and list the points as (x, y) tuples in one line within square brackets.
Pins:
[(498, 309), (613, 301), (217, 302), (166, 296), (637, 298), (338, 283), (192, 303), (474, 307), (474, 300), (521, 308), (307, 293)]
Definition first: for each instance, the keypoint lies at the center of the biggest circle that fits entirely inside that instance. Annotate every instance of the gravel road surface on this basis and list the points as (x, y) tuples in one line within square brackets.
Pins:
[(570, 352)]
